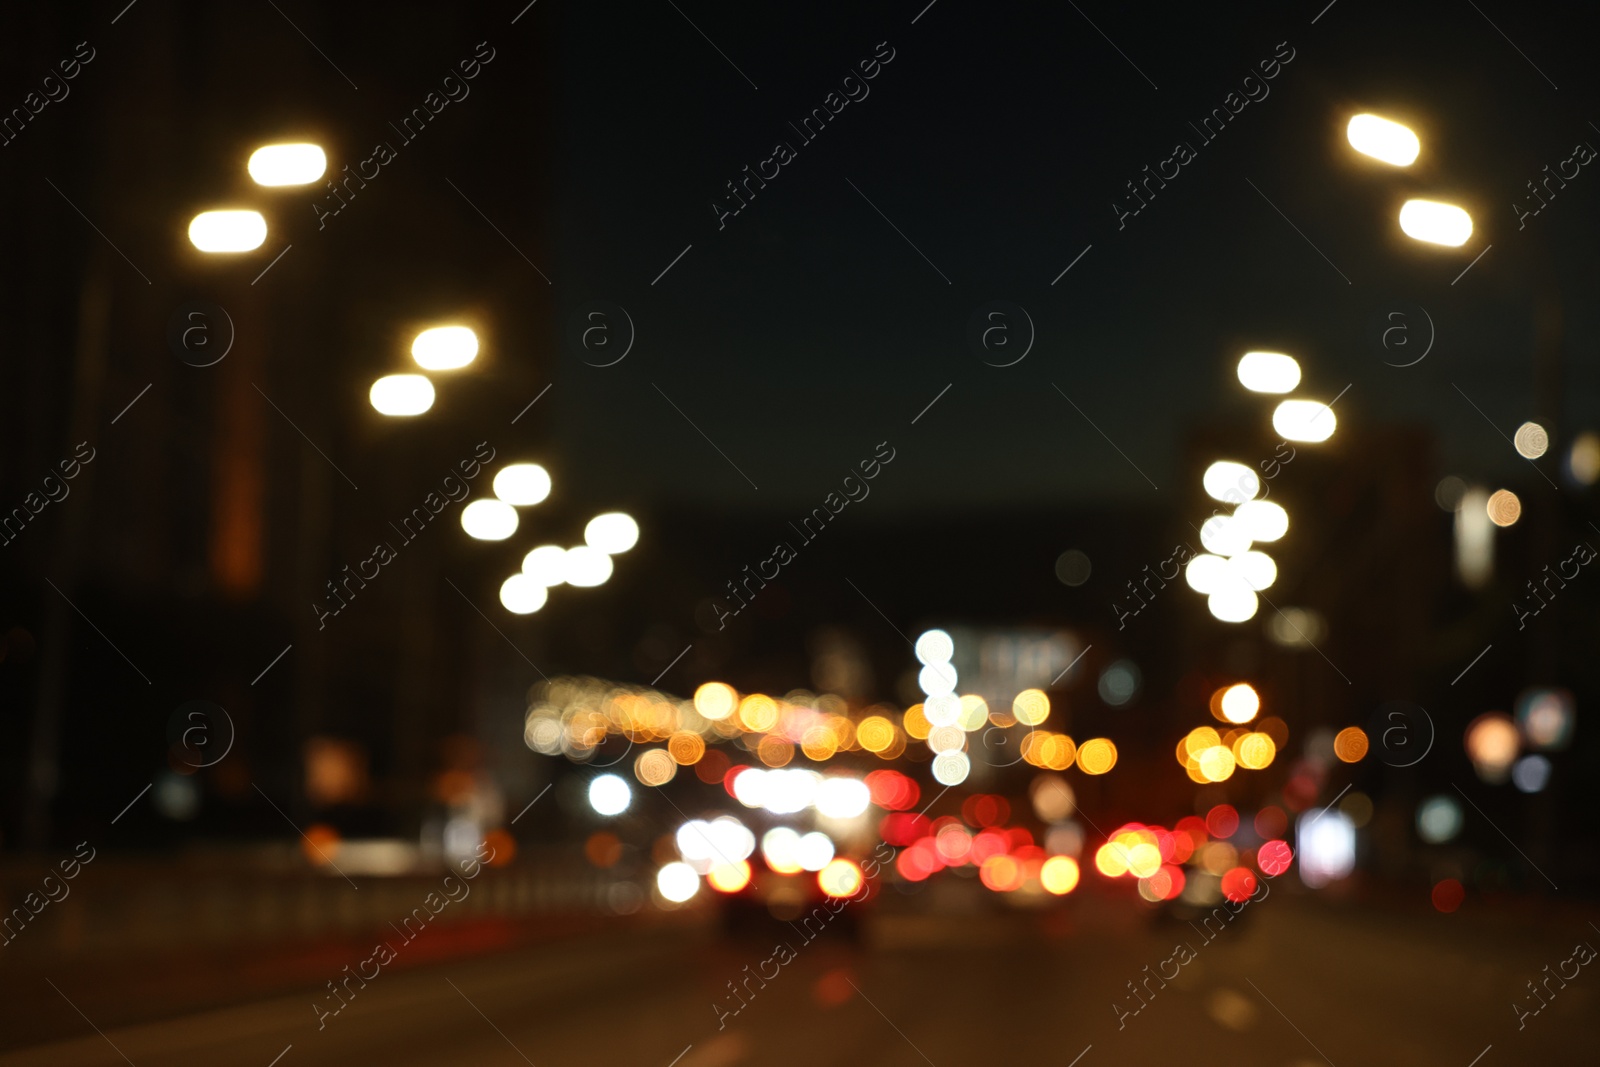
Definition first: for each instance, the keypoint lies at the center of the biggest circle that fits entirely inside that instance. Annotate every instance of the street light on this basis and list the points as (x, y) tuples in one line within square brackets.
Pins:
[(228, 231), (287, 164)]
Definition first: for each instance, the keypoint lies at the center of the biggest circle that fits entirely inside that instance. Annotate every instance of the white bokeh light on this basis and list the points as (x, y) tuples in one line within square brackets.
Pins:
[(489, 520), (585, 566), (445, 348), (610, 794), (1224, 535), (1383, 139), (1206, 573), (677, 882), (1304, 420), (1262, 520), (522, 484), (228, 231), (1233, 603), (401, 394), (611, 533), (287, 164), (1268, 372), (1230, 482), (934, 646), (546, 565), (521, 595), (842, 798)]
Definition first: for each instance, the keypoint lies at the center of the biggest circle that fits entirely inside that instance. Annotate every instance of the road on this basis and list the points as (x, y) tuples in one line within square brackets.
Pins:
[(1297, 981)]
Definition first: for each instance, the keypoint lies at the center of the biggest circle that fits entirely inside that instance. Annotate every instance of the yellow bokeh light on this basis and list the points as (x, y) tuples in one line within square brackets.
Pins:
[(1350, 744), (715, 701), (1111, 860), (1216, 763), (1239, 703), (974, 713), (876, 734), (1059, 875), (1198, 740), (729, 877), (1097, 756), (840, 878), (758, 712), (1144, 859), (1031, 707), (916, 723), (686, 748), (1255, 751), (819, 743)]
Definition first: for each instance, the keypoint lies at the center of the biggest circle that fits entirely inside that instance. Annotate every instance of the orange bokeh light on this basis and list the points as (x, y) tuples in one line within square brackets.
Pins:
[(1350, 745), (320, 843), (1001, 873)]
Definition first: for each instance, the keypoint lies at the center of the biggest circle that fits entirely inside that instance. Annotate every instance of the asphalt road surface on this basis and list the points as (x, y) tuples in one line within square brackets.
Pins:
[(1297, 981)]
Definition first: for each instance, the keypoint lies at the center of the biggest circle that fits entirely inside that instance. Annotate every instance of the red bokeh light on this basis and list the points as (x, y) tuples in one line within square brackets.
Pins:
[(985, 809), (712, 768), (1448, 895), (1194, 828), (1274, 858), (919, 861), (901, 828), (988, 843), (892, 790), (1222, 820), (1238, 884), (1271, 822)]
